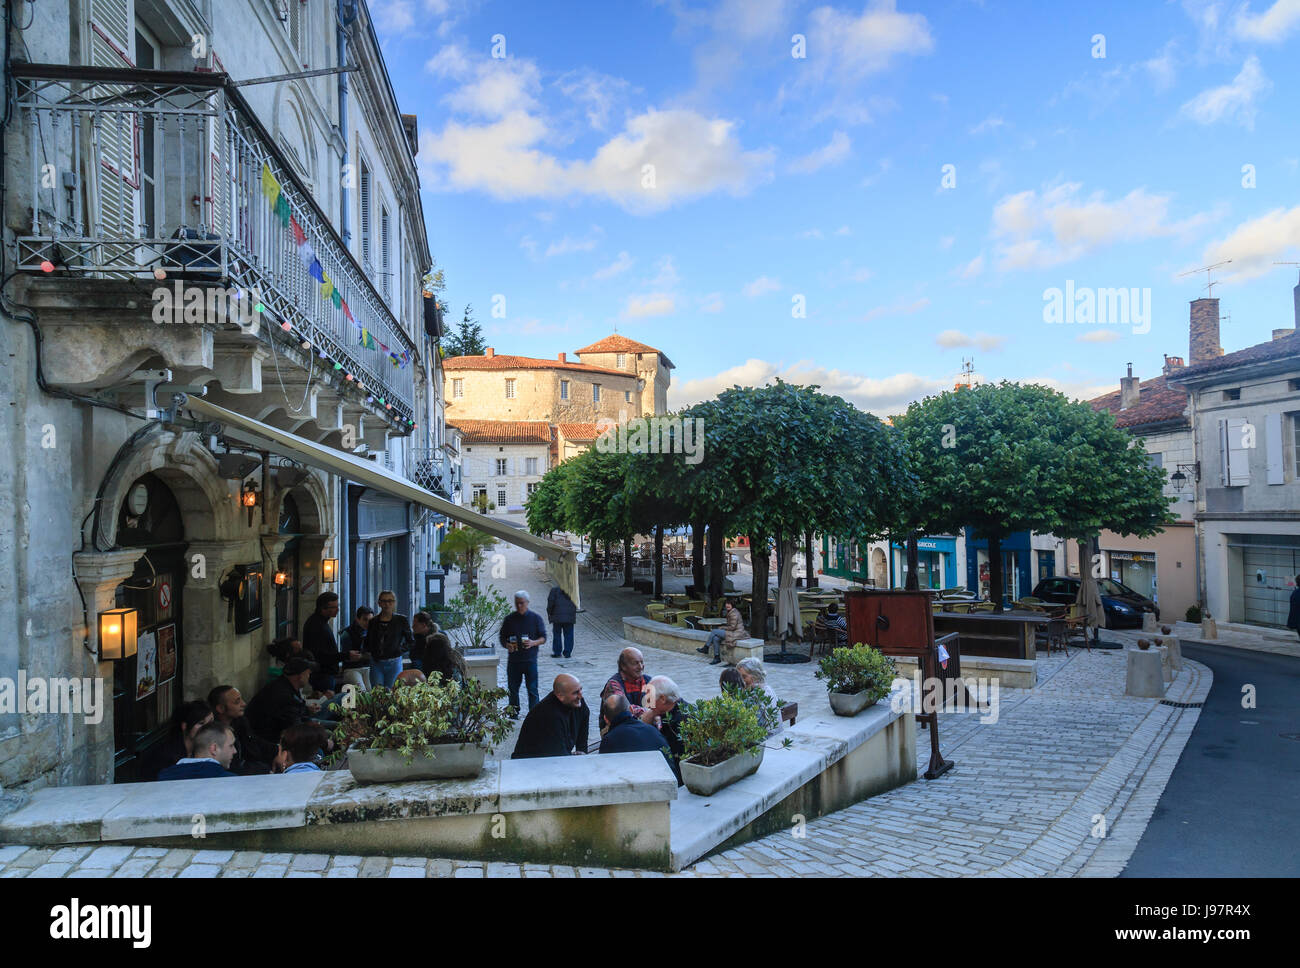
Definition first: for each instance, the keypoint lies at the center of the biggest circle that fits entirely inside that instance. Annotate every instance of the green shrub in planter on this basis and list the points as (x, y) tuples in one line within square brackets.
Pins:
[(714, 730), (1194, 614), (859, 669), (419, 718), (480, 616)]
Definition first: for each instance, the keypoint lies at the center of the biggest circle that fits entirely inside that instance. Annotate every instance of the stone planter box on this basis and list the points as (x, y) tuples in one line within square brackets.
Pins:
[(390, 766), (850, 703), (704, 781)]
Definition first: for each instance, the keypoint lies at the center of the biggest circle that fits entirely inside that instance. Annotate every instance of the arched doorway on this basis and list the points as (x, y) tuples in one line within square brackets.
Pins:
[(147, 687)]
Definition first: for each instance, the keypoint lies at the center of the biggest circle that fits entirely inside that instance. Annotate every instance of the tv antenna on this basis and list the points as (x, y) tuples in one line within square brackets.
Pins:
[(1286, 263), (1209, 283), (967, 376)]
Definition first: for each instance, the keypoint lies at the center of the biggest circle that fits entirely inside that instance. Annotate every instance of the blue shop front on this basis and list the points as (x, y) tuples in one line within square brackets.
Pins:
[(936, 563), (1017, 565)]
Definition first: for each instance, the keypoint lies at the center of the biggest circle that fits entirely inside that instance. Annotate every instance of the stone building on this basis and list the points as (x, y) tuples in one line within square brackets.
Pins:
[(285, 216), (503, 460), (1245, 466), (614, 378)]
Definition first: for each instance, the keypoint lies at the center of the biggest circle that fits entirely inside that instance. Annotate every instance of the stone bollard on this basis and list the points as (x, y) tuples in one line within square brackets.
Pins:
[(1175, 648), (1165, 670), (1209, 630), (1144, 678), (1148, 622)]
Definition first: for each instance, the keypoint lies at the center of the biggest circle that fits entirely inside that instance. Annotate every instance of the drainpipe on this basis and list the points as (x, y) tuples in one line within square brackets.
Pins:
[(347, 13)]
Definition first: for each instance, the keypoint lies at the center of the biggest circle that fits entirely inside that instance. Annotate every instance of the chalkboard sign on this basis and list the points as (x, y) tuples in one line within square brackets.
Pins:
[(895, 622)]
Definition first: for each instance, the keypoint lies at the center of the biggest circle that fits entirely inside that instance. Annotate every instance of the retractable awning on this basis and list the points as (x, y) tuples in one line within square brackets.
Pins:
[(561, 562)]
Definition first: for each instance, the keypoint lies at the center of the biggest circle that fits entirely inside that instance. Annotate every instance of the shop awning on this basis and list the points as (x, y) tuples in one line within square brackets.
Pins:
[(561, 562)]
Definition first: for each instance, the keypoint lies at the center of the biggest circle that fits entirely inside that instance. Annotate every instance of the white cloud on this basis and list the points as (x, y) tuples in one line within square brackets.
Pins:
[(392, 16), (1097, 336), (1043, 230), (832, 153), (1162, 67), (887, 395), (1232, 102), (761, 285), (712, 303), (666, 278), (811, 234), (1271, 26), (654, 304), (852, 46), (843, 230), (596, 93), (1254, 245), (619, 265), (988, 124), (568, 244), (971, 269), (897, 309), (955, 339)]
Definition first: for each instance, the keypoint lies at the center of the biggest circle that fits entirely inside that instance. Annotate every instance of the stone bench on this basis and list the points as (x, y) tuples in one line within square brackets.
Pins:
[(675, 638), (1009, 673)]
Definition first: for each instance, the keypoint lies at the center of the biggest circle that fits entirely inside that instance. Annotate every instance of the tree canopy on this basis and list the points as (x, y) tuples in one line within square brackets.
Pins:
[(468, 339)]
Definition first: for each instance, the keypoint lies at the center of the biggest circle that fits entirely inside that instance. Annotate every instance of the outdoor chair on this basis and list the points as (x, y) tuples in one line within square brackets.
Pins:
[(697, 607)]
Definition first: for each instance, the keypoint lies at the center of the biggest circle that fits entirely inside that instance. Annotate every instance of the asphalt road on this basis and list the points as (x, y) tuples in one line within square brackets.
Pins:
[(1232, 806)]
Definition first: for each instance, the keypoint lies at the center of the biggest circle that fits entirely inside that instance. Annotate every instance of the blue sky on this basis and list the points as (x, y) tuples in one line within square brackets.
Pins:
[(781, 181)]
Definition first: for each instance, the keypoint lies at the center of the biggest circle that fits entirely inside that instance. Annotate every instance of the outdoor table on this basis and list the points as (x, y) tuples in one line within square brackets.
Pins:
[(1009, 635), (711, 623)]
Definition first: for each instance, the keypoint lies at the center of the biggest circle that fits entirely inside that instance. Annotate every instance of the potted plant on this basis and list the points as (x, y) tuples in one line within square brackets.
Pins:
[(430, 730), (722, 742), (856, 678), (478, 616)]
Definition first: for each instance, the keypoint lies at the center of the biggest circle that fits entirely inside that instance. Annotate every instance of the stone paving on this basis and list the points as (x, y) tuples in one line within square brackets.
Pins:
[(1063, 783)]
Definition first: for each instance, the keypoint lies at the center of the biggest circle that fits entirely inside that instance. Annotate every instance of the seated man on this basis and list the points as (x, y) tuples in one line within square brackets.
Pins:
[(556, 726), (279, 704), (833, 621), (627, 734), (214, 748), (300, 746), (663, 711), (629, 681), (253, 754)]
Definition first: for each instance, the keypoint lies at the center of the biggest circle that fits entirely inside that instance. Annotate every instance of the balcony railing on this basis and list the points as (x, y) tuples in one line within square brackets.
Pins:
[(135, 171), (431, 469)]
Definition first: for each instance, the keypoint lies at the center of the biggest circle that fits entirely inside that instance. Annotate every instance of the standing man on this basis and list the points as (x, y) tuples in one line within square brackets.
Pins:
[(387, 638), (562, 613), (521, 633), (556, 726), (1293, 615), (318, 639)]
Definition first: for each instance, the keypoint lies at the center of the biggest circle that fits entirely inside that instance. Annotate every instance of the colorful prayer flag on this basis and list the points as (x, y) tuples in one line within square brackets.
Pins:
[(270, 187)]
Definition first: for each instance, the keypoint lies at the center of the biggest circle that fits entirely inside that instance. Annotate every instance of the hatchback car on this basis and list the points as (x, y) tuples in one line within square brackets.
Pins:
[(1123, 606)]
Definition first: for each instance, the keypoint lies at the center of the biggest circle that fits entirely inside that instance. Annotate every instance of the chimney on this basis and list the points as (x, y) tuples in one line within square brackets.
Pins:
[(1171, 363), (1204, 341), (1283, 333), (562, 358), (1295, 296), (489, 352), (1128, 390)]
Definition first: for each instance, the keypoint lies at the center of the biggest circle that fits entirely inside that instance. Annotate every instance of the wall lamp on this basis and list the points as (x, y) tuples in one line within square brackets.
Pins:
[(1178, 478), (248, 497), (117, 634), (329, 570)]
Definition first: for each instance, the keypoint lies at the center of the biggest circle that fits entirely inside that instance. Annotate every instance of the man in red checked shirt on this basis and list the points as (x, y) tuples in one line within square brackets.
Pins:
[(630, 680)]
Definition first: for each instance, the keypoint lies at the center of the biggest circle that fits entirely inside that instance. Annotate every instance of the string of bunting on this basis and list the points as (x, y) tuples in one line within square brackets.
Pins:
[(284, 215)]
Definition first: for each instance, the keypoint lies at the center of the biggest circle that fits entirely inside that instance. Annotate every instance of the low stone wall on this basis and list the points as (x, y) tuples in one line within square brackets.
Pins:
[(1009, 673), (674, 638)]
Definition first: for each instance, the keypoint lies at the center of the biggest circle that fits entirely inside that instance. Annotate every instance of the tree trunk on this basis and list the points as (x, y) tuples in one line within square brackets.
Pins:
[(697, 555), (758, 612), (995, 571), (913, 563), (811, 580), (627, 562), (717, 562), (659, 561)]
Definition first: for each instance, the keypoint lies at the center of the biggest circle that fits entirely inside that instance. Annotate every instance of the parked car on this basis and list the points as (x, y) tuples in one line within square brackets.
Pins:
[(1123, 606)]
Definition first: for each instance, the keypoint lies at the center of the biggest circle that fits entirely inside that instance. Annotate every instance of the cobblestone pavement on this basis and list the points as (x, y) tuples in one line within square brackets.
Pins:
[(1063, 783)]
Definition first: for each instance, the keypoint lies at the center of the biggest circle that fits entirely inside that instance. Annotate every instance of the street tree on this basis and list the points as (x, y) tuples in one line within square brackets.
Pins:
[(466, 547), (468, 339)]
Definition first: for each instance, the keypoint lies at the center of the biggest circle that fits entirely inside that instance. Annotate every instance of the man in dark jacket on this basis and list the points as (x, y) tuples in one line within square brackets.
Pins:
[(214, 748), (279, 704), (318, 639), (663, 710), (1293, 616), (521, 633), (253, 754), (562, 613), (627, 734), (556, 726)]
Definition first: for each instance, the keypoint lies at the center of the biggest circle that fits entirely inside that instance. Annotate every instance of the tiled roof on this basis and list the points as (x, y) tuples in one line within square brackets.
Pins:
[(621, 344), (502, 431), (1276, 349), (1157, 403), (500, 362), (579, 431)]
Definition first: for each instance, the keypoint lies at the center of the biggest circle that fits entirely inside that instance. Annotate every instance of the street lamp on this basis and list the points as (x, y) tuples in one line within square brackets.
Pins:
[(1178, 478), (117, 634), (248, 498)]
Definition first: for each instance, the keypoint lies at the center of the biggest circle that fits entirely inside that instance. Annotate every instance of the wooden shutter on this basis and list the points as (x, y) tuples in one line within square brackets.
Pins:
[(365, 214), (1273, 451), (112, 30), (1234, 456), (384, 250)]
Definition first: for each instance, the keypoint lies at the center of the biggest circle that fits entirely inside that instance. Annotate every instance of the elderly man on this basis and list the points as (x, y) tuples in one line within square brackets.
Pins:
[(556, 726), (521, 633), (627, 734), (629, 681), (663, 711)]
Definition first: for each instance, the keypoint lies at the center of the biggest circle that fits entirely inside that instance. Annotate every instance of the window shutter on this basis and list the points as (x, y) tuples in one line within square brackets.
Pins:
[(1273, 448), (112, 28), (1236, 457), (384, 249), (365, 213)]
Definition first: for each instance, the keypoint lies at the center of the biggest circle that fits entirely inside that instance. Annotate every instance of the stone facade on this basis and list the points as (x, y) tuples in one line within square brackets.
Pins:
[(504, 460)]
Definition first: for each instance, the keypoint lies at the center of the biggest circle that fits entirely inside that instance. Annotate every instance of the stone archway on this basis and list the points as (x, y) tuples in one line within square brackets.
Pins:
[(316, 540), (879, 568)]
